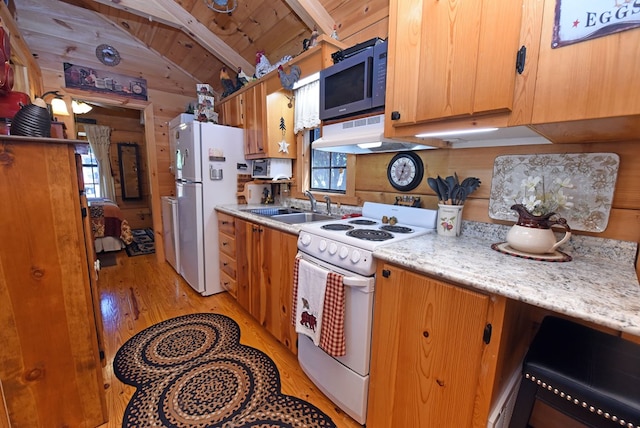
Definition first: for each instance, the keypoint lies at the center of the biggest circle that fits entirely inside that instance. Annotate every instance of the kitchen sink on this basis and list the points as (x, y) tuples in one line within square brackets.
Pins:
[(303, 217), (270, 212), (289, 215)]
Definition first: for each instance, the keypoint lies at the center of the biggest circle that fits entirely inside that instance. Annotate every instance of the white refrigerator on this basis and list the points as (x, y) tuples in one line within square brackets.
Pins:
[(208, 160)]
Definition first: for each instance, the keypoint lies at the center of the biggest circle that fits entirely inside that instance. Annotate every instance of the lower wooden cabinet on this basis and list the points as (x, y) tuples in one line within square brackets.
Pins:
[(427, 351), (50, 369), (228, 255), (265, 277)]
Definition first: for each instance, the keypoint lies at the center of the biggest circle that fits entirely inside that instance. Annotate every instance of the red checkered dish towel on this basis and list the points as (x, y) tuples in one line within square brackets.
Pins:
[(332, 339)]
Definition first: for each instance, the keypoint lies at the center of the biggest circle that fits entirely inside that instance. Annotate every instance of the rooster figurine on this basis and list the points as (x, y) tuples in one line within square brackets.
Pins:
[(263, 66), (227, 83), (242, 78), (288, 80)]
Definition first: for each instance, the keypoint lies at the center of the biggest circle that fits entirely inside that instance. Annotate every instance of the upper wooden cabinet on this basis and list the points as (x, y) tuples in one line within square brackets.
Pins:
[(587, 90), (452, 65), (255, 118), (451, 59), (263, 116), (232, 111)]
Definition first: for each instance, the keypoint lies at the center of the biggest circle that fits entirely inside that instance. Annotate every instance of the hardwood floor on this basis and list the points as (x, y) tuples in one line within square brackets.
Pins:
[(139, 292)]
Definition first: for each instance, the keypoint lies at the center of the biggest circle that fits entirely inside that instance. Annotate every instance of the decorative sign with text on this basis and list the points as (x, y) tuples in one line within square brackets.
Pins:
[(105, 82), (578, 20)]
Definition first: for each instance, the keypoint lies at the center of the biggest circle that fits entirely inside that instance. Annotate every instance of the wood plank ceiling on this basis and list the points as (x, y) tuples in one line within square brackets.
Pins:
[(181, 41)]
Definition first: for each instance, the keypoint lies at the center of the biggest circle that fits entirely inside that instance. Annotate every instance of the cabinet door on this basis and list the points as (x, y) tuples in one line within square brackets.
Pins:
[(280, 114), (426, 351), (255, 121), (249, 266), (279, 252), (592, 79), (231, 110), (451, 59)]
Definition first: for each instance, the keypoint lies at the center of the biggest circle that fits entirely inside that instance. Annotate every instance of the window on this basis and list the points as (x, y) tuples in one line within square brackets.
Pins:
[(328, 169), (90, 175)]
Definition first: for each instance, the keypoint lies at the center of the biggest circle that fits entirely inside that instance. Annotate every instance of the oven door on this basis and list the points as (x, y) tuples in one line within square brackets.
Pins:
[(345, 379)]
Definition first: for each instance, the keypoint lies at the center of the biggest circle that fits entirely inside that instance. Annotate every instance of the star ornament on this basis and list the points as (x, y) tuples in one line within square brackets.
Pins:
[(283, 147)]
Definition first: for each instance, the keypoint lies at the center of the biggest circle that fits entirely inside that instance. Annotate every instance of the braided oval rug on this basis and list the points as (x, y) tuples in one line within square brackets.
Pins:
[(192, 371)]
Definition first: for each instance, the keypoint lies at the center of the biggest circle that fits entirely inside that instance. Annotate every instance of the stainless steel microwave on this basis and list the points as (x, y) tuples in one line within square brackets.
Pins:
[(354, 85)]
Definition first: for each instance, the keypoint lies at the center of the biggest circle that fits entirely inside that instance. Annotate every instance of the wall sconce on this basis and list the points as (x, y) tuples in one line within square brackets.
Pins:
[(80, 107), (58, 106)]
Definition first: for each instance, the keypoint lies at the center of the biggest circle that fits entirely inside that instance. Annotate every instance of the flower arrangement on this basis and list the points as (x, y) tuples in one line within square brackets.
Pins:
[(540, 199)]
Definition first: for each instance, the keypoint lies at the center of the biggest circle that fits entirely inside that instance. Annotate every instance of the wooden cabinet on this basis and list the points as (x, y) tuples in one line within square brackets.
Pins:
[(450, 59), (232, 111), (255, 119), (426, 352), (265, 277), (264, 115), (593, 83), (228, 255), (50, 367)]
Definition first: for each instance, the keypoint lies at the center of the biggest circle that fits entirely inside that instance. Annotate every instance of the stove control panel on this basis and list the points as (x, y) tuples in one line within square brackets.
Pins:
[(341, 255)]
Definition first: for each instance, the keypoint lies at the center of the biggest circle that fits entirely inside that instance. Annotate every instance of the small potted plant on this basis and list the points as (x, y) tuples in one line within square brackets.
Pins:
[(451, 197)]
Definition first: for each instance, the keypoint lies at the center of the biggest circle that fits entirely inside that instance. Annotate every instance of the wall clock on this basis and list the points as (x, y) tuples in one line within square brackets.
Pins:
[(108, 55), (405, 171)]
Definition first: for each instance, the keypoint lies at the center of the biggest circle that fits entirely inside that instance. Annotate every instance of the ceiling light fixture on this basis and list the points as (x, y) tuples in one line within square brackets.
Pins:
[(80, 107), (222, 6)]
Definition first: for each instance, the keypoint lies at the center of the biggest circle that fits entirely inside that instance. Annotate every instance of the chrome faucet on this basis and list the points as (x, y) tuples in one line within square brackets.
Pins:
[(314, 206), (328, 199)]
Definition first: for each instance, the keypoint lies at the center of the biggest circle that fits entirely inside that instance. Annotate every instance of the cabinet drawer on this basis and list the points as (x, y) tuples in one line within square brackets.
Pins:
[(227, 245), (228, 284), (226, 223), (228, 265)]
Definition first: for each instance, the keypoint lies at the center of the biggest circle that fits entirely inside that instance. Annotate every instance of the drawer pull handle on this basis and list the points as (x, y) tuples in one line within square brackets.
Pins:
[(224, 244), (225, 264)]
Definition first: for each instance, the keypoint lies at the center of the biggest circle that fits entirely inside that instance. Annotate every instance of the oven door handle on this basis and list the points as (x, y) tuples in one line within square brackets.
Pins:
[(354, 281)]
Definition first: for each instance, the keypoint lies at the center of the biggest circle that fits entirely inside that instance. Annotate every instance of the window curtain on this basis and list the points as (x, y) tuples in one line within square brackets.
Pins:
[(307, 107), (100, 139)]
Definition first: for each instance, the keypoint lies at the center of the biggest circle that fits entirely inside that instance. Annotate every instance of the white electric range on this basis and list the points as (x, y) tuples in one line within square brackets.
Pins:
[(349, 243), (345, 246)]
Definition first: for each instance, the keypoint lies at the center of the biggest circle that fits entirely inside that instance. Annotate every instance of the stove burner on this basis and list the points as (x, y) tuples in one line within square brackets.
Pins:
[(336, 226), (396, 229), (363, 222), (370, 234)]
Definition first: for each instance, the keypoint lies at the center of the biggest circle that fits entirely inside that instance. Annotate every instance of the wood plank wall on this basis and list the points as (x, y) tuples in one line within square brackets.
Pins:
[(624, 220)]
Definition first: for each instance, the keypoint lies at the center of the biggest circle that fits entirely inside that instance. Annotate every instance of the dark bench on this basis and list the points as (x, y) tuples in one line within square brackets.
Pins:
[(586, 374)]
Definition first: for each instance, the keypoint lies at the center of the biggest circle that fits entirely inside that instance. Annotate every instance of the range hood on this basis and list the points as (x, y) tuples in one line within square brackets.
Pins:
[(359, 136), (366, 135)]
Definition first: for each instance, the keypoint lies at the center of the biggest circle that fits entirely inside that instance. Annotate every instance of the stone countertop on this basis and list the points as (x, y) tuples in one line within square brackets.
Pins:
[(599, 285)]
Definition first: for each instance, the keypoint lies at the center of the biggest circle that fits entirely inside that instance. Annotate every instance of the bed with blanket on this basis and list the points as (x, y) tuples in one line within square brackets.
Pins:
[(111, 231)]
